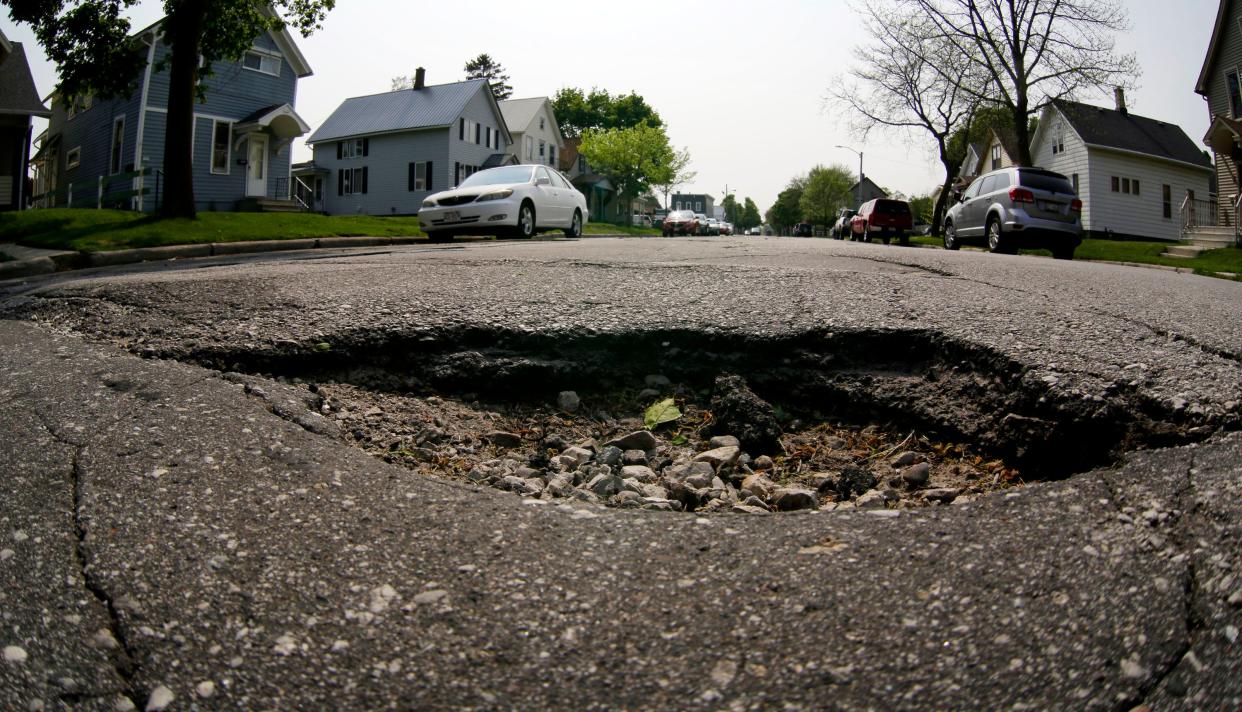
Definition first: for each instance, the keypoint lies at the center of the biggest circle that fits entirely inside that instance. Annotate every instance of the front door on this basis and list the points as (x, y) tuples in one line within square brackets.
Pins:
[(256, 167)]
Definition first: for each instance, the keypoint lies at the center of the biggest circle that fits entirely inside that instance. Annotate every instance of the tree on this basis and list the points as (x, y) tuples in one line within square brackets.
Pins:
[(634, 158), (750, 215), (732, 211), (576, 111), (91, 45), (679, 174), (787, 210), (911, 78), (1032, 51), (827, 191), (484, 67), (923, 208)]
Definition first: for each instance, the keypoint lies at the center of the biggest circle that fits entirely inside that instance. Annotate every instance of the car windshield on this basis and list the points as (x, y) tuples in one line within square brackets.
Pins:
[(498, 176), (892, 207), (1051, 182), (680, 215)]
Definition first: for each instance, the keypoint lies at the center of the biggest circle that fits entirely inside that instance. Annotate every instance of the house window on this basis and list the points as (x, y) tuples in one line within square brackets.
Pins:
[(1134, 186), (260, 61), (118, 145), (77, 105), (1166, 196), (543, 148), (541, 123), (488, 135), (461, 129), (354, 148), (1125, 185), (530, 148), (1235, 94), (73, 158), (221, 147), (996, 158), (1058, 141), (551, 155), (698, 206), (1074, 180), (582, 168), (1116, 184), (420, 176), (351, 181)]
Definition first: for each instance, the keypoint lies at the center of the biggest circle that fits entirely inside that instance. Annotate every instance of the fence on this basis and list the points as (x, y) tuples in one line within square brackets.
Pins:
[(114, 191)]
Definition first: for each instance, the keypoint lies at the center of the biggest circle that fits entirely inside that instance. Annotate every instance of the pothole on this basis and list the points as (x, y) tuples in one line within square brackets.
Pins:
[(860, 418)]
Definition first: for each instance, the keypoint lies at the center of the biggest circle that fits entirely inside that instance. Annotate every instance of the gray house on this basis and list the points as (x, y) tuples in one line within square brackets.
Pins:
[(383, 154), (698, 202), (19, 101), (870, 191)]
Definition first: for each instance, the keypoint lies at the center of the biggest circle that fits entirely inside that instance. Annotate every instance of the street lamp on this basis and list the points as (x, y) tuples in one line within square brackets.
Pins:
[(860, 173)]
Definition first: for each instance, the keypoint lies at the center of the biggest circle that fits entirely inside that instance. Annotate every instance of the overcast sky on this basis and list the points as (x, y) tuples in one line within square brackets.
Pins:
[(741, 84)]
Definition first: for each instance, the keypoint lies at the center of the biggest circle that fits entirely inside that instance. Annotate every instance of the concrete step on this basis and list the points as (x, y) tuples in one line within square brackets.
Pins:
[(1184, 251)]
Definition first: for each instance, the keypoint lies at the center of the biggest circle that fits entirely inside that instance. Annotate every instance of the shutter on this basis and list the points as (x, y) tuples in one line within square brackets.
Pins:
[(364, 179), (340, 177), (340, 150), (366, 147), (456, 172), (410, 183), (461, 129), (428, 176)]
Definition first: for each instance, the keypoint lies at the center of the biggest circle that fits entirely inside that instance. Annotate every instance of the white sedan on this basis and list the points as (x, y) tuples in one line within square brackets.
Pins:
[(519, 200)]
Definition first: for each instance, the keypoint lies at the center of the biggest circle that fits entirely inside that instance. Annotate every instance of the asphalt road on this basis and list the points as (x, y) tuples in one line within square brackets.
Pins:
[(170, 540)]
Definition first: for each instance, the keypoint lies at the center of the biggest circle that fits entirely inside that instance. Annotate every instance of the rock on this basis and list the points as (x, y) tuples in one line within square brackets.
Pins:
[(161, 697), (564, 462), (916, 475), (568, 401), (905, 459), (512, 483), (724, 441), (758, 486), (503, 439), (647, 394), (432, 596), (626, 498), (605, 485), (554, 442), (940, 494), (720, 456), (749, 509), (610, 455), (699, 480), (14, 654), (746, 416), (836, 443), (756, 502), (638, 440), (534, 486), (871, 499), (654, 492), (854, 480), (642, 473), (661, 504), (580, 455), (763, 462), (631, 485), (657, 381), (787, 499), (634, 457), (688, 469), (824, 483)]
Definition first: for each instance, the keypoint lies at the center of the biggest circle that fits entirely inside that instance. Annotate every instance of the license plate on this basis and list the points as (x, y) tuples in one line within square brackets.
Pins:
[(451, 216), (1049, 207)]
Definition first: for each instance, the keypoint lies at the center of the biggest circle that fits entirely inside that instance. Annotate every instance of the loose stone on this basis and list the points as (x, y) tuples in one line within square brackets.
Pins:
[(763, 462), (638, 440), (720, 456), (871, 499), (14, 654), (905, 459), (634, 457), (161, 697), (580, 455), (758, 486), (503, 439), (724, 441), (568, 401), (641, 473), (610, 455), (787, 499), (917, 475), (940, 494)]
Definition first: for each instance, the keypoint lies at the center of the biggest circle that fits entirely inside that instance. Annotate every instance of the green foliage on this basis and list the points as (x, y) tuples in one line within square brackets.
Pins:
[(750, 215), (578, 112), (787, 210), (827, 191), (922, 208), (679, 173), (732, 211), (484, 67), (634, 158), (657, 414), (978, 130)]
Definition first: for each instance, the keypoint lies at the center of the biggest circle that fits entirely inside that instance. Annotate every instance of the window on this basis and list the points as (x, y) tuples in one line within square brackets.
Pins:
[(489, 136), (1058, 138), (543, 148), (541, 123), (551, 155), (1134, 186), (478, 134), (677, 205), (698, 206), (1166, 194), (261, 61), (118, 145), (530, 148), (221, 146), (1125, 185), (1235, 94), (77, 105), (420, 176), (73, 158), (1129, 186), (353, 148), (996, 157), (582, 167), (461, 129), (351, 181), (1116, 184), (1074, 180)]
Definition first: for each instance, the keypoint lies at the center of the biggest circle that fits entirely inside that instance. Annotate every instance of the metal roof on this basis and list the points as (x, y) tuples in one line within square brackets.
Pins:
[(403, 110)]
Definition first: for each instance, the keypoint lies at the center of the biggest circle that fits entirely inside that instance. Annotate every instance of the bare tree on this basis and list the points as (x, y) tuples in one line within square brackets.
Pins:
[(1033, 51), (679, 174), (911, 78)]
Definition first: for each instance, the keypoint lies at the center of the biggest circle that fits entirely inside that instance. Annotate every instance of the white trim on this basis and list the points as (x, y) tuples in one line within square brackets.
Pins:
[(75, 149), (228, 149), (112, 147), (156, 109), (142, 122)]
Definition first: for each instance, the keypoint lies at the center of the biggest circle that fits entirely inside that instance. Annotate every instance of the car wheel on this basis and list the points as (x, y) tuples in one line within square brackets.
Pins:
[(575, 225), (950, 237), (996, 238), (885, 238), (1063, 252), (866, 232), (903, 239), (439, 236), (526, 221)]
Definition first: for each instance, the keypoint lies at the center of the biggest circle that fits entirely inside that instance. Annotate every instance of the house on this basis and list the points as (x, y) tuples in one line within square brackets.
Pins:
[(93, 151), (1130, 172), (999, 150), (697, 202), (536, 135), (383, 154), (19, 102), (1216, 222), (600, 192), (870, 191), (971, 164)]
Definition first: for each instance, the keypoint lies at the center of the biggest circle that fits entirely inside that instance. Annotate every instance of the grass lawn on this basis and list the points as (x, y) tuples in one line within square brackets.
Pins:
[(100, 230), (1228, 259), (603, 228)]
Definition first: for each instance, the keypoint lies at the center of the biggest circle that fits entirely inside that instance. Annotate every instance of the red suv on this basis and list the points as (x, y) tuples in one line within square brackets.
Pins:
[(680, 222), (884, 219)]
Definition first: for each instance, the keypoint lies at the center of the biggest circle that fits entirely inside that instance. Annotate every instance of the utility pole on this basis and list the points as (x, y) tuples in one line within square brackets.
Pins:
[(860, 173)]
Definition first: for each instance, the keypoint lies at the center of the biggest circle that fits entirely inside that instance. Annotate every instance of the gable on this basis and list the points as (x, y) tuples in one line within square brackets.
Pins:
[(403, 110), (1220, 36), (1127, 132)]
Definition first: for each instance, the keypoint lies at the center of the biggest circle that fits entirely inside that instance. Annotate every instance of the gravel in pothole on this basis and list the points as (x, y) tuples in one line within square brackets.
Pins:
[(729, 451)]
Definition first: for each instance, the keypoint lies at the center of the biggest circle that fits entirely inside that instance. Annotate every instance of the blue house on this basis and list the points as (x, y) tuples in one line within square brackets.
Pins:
[(93, 151), (382, 154), (19, 101)]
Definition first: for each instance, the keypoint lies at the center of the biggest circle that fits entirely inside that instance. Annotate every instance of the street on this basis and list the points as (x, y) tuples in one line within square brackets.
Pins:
[(183, 527)]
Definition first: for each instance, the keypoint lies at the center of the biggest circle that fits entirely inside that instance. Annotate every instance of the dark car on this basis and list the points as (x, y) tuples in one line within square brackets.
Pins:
[(1018, 207), (883, 218), (680, 222), (803, 229)]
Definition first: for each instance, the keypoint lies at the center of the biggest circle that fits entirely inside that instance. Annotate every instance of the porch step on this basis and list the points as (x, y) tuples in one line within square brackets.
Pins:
[(268, 205), (1212, 237), (1184, 251)]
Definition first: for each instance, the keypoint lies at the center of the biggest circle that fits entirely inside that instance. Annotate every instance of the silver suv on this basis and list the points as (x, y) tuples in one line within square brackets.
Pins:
[(1017, 207)]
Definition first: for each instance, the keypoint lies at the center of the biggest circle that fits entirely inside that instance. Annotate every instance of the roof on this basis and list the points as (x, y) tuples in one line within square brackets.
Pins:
[(867, 180), (17, 88), (403, 110), (1008, 139), (1124, 131), (282, 38), (1218, 31)]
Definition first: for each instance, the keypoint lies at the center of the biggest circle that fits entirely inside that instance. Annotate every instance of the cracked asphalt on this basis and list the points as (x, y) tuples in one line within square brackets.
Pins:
[(171, 542)]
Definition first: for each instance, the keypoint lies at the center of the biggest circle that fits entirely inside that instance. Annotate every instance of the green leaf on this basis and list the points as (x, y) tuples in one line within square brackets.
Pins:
[(323, 346), (663, 412), (679, 440)]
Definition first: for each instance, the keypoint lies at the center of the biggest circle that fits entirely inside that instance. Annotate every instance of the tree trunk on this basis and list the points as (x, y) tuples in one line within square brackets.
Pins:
[(183, 33), (942, 200), (1021, 128)]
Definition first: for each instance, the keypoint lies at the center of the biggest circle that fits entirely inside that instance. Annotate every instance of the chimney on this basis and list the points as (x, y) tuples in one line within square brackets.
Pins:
[(1120, 95), (420, 77)]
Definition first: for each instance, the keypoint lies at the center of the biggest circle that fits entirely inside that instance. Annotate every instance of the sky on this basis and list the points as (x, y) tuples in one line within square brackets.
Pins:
[(739, 84)]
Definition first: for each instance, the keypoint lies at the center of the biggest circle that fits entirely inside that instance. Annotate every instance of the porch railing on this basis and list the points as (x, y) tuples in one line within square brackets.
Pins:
[(114, 191), (1201, 213)]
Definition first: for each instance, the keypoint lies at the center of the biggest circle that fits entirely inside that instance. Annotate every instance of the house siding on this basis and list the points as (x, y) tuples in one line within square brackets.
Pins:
[(482, 109), (548, 135), (1228, 58), (387, 163), (1070, 162), (1139, 215)]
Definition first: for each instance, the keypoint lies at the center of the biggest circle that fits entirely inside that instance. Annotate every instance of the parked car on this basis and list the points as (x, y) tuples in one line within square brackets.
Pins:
[(713, 226), (803, 229), (883, 218), (702, 223), (726, 228), (518, 200), (680, 222), (1017, 207), (841, 228), (640, 220)]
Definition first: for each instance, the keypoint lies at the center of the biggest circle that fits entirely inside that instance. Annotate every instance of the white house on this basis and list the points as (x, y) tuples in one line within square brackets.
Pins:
[(536, 135), (1131, 173)]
